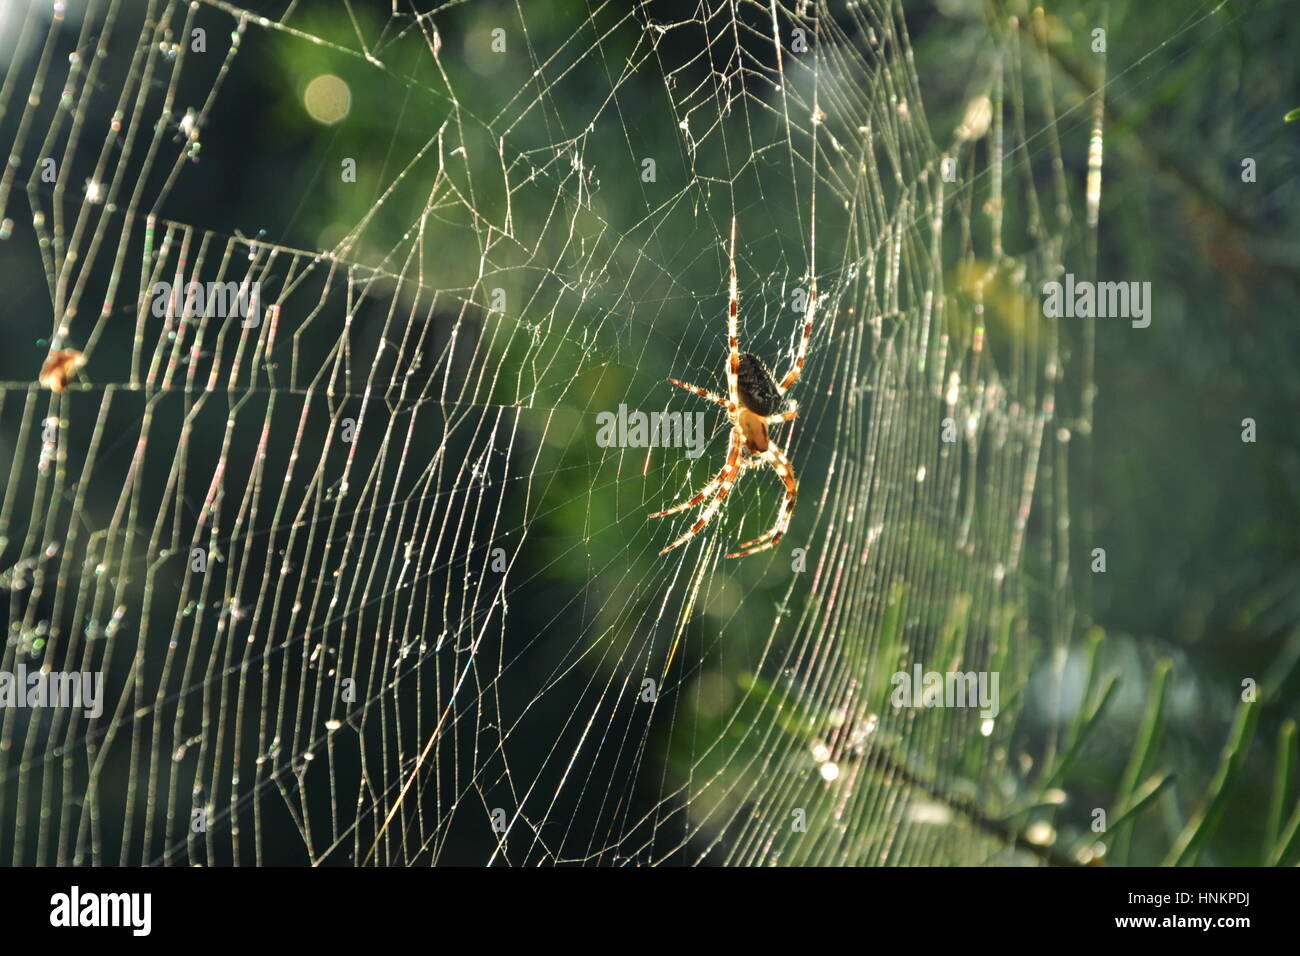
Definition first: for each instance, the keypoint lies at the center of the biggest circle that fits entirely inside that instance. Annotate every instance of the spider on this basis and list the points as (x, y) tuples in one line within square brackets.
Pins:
[(753, 404)]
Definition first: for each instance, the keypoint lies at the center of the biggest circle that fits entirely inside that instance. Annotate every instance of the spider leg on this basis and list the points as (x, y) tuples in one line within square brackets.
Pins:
[(785, 471), (733, 325), (705, 492), (811, 309), (703, 393), (786, 416), (726, 479)]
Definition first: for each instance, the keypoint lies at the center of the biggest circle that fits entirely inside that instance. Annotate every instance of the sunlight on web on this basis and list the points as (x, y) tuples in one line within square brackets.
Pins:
[(319, 496)]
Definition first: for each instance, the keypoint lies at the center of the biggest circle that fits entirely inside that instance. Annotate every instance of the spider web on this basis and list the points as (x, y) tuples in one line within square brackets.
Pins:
[(433, 625)]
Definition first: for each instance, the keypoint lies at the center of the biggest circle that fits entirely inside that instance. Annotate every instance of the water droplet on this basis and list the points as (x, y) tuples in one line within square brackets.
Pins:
[(1041, 834)]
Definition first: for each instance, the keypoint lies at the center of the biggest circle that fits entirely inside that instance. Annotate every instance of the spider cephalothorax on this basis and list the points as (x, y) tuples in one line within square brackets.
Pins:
[(753, 404)]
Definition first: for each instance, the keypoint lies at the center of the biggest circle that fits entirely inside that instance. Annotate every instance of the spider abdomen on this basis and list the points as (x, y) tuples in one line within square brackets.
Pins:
[(757, 390)]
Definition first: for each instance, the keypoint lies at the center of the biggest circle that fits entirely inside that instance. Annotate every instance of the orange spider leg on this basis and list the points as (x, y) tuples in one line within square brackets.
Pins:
[(811, 310), (787, 416), (707, 490), (733, 325), (726, 479), (785, 471), (703, 393)]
